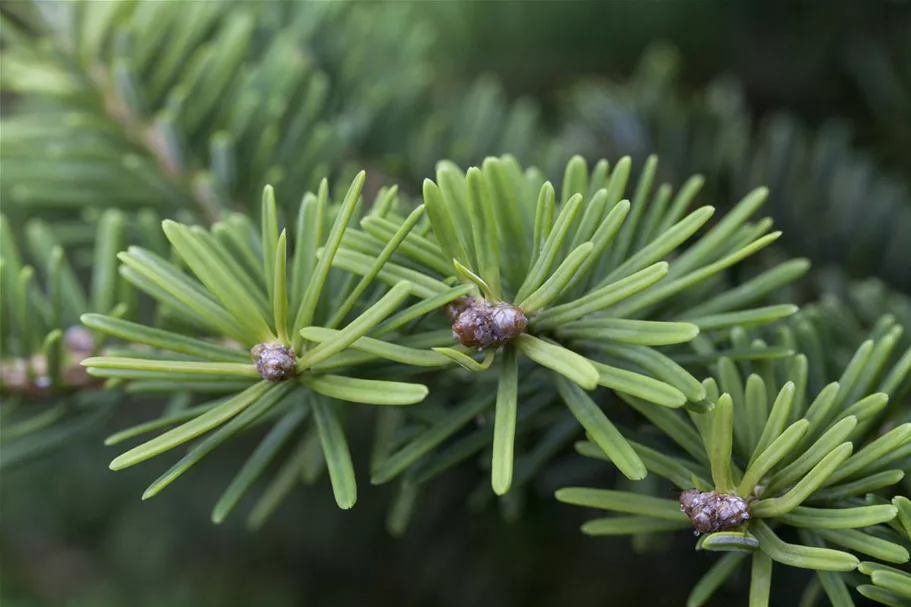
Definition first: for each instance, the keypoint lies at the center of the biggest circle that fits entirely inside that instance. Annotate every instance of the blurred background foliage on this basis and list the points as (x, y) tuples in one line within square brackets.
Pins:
[(811, 99)]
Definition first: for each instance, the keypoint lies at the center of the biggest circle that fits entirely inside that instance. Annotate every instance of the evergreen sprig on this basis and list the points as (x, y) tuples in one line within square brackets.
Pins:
[(304, 326), (589, 275), (786, 453)]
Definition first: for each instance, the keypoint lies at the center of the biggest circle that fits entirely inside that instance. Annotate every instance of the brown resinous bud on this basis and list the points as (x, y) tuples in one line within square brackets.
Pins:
[(455, 307), (274, 362), (477, 323), (710, 511)]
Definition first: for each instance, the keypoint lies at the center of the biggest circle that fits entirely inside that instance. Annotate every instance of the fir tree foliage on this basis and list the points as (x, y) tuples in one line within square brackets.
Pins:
[(48, 398), (815, 178), (888, 585), (483, 122), (257, 295), (247, 293), (785, 434), (846, 314), (196, 107), (801, 455), (589, 273)]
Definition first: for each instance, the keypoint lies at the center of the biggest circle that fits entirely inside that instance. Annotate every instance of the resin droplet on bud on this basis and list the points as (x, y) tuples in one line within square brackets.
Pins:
[(477, 323), (274, 362), (711, 511)]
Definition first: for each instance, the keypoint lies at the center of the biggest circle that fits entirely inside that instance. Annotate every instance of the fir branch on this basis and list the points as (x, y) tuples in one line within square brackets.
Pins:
[(284, 379), (550, 304), (777, 462)]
